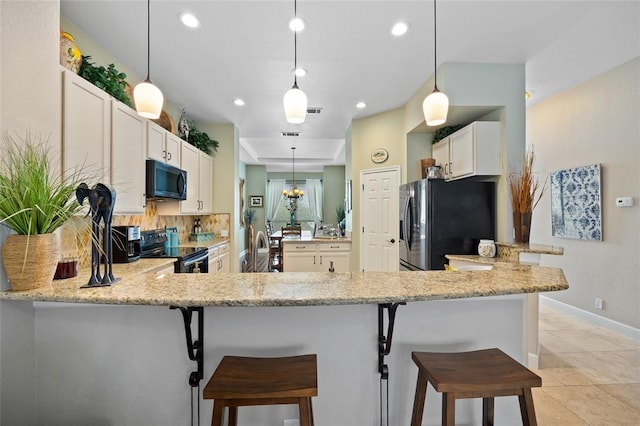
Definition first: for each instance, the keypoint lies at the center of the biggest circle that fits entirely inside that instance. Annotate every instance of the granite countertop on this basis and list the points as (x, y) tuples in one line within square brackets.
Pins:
[(312, 239), (208, 243), (508, 253), (298, 288)]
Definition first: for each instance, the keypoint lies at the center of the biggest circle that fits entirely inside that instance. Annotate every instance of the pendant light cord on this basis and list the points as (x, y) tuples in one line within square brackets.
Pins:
[(295, 46), (148, 37), (435, 49)]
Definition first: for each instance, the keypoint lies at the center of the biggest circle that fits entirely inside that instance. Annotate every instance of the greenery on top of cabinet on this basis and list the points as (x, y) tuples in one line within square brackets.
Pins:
[(445, 131), (200, 139), (108, 79)]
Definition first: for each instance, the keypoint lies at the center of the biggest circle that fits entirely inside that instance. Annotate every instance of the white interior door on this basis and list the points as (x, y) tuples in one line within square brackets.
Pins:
[(379, 218)]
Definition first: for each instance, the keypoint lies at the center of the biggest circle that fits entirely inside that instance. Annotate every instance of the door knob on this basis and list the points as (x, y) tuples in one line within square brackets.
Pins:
[(392, 240)]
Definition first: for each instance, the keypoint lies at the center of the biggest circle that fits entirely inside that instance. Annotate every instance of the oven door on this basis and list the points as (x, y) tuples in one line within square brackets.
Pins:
[(194, 265)]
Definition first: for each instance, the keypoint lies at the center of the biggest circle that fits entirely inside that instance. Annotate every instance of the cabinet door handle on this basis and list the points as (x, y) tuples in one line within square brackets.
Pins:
[(169, 156), (314, 260), (321, 260), (164, 154), (450, 168)]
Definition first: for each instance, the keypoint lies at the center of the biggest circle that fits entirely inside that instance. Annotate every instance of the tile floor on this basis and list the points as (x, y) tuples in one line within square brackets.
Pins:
[(590, 375)]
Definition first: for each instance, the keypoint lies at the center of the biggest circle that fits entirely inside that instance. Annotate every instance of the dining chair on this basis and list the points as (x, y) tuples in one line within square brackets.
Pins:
[(291, 231)]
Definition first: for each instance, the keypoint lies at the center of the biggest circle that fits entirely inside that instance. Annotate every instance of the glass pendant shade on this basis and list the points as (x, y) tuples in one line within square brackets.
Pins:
[(435, 108), (148, 99), (295, 105)]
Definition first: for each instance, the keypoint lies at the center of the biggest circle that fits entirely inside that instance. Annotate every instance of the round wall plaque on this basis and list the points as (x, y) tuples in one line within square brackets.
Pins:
[(379, 155)]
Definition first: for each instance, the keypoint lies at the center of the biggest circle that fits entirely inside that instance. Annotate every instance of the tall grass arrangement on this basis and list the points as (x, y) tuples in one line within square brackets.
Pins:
[(34, 198), (525, 187)]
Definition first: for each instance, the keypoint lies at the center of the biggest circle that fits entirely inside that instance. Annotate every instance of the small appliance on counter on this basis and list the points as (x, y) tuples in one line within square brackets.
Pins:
[(126, 243), (172, 237)]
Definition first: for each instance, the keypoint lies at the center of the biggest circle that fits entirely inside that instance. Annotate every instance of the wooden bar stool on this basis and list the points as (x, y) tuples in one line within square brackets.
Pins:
[(479, 374), (244, 381)]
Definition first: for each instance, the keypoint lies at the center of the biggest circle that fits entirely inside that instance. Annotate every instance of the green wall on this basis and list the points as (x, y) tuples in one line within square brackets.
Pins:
[(333, 192)]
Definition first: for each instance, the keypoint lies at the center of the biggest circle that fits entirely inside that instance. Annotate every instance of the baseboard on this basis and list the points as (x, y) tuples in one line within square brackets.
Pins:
[(618, 327)]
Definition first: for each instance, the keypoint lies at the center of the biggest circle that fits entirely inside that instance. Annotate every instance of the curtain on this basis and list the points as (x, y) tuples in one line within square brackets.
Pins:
[(274, 195), (314, 194)]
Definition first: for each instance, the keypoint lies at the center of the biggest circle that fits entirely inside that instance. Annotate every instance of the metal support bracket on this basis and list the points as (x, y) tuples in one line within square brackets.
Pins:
[(194, 347), (384, 343)]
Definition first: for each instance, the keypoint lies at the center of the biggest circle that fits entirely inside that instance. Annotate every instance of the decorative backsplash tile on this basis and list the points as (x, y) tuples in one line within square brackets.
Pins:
[(75, 236)]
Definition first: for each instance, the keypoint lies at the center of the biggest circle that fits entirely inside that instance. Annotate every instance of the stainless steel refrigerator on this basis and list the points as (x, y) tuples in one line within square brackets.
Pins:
[(439, 218)]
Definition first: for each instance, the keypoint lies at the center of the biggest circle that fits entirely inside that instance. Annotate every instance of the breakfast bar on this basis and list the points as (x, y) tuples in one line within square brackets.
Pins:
[(331, 314)]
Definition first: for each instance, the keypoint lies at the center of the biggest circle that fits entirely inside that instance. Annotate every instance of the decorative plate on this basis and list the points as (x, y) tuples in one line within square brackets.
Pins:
[(379, 155)]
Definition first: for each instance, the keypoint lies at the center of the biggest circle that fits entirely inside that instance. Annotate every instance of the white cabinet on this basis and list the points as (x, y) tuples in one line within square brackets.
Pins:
[(471, 151), (199, 168), (106, 139), (129, 137), (338, 253), (219, 258), (317, 257), (162, 145), (86, 128), (299, 257)]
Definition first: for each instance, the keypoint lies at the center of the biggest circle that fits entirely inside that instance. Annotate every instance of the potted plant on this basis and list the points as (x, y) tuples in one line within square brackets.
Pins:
[(526, 193), (34, 202), (108, 79)]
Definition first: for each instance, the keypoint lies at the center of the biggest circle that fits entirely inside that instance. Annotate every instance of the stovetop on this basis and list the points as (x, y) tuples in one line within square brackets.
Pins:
[(152, 245)]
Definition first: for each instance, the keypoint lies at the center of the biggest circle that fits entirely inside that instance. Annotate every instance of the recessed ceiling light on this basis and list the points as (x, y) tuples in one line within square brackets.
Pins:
[(296, 24), (361, 105), (399, 29), (189, 20), (300, 72), (238, 102)]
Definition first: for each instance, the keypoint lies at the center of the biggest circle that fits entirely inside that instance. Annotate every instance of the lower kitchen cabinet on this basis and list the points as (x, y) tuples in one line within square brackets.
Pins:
[(219, 258), (317, 257)]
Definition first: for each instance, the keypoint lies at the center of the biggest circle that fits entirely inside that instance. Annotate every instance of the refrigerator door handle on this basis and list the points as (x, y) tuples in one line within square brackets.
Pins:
[(408, 223)]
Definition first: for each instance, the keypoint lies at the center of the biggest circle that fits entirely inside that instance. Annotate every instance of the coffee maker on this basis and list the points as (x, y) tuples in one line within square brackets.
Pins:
[(126, 243)]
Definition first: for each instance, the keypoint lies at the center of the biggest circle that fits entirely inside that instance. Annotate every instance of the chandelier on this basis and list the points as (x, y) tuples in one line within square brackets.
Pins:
[(293, 194)]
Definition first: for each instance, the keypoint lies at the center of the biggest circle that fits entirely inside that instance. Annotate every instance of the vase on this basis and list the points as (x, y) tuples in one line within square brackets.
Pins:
[(70, 56), (30, 261), (487, 248), (292, 221), (522, 226)]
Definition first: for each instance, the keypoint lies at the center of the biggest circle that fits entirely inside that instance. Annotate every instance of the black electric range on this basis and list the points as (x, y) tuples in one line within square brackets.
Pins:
[(188, 259)]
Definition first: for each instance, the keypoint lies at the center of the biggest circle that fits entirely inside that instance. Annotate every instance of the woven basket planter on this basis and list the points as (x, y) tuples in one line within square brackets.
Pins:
[(30, 260)]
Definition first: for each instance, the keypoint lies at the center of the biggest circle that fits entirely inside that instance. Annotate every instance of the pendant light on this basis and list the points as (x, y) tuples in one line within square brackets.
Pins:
[(294, 193), (435, 106), (295, 101), (147, 97)]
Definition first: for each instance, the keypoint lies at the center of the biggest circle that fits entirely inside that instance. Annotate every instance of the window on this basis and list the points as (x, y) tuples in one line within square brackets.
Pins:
[(309, 208)]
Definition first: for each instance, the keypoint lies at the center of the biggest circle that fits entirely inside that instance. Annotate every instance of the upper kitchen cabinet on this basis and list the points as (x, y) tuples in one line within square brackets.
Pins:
[(473, 150), (86, 128), (199, 168), (162, 145), (128, 148), (105, 138)]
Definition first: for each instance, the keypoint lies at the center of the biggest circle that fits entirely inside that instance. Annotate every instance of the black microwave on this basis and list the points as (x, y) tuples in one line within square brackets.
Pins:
[(165, 181)]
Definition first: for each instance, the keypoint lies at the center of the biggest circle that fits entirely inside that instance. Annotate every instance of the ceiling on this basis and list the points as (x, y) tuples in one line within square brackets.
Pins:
[(244, 49)]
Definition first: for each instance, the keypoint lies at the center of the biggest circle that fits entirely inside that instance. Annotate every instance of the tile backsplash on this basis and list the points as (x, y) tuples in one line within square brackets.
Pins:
[(75, 236)]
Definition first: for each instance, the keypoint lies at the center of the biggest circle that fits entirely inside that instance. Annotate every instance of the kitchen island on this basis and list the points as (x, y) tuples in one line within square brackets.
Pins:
[(126, 364)]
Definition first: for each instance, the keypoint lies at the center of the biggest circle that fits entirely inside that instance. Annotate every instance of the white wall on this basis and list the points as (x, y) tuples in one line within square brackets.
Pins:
[(127, 365), (30, 84), (595, 122)]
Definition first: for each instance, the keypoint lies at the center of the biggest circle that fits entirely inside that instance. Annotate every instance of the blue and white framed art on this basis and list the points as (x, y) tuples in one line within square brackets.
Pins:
[(576, 200)]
